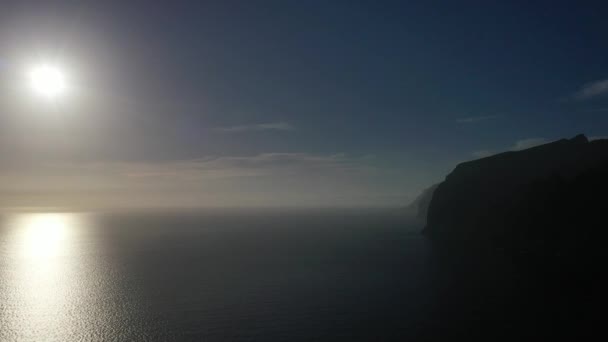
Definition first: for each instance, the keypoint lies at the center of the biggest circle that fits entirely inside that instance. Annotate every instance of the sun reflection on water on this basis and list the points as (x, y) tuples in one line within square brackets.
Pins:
[(44, 236), (41, 276), (60, 280)]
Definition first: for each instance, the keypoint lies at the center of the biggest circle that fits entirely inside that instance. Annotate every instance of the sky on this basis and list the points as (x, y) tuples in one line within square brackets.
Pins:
[(286, 103)]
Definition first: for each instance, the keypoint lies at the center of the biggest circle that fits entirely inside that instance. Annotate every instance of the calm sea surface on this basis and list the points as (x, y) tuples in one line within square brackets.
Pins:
[(224, 275)]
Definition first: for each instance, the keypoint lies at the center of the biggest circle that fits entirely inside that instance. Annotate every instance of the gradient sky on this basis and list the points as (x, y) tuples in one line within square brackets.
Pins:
[(287, 103)]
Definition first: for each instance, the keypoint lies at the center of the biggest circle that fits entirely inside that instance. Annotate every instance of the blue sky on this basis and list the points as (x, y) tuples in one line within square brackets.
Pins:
[(289, 102)]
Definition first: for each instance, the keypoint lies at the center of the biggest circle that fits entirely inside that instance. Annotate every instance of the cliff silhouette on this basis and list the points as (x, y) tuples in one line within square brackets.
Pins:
[(420, 205), (546, 196), (522, 235)]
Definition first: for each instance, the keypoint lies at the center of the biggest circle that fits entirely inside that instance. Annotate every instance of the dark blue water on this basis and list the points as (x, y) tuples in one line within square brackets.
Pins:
[(253, 275), (224, 275)]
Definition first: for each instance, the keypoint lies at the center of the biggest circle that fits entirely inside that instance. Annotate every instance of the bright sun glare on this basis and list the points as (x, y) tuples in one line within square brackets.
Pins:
[(44, 235), (47, 80)]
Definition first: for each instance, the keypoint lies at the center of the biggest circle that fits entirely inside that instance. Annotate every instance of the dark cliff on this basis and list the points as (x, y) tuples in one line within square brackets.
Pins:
[(550, 195), (527, 228), (420, 205)]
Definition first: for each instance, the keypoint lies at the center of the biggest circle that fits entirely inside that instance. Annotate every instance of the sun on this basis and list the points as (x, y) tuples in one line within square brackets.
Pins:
[(47, 80)]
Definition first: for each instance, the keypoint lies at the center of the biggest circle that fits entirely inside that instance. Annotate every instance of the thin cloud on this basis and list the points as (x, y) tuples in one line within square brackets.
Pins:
[(519, 145), (263, 164), (482, 154), (474, 119), (598, 137), (592, 90), (527, 143), (269, 126), (276, 179)]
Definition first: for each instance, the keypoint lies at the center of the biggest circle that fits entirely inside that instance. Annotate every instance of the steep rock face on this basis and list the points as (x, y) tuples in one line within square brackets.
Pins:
[(541, 195), (420, 205)]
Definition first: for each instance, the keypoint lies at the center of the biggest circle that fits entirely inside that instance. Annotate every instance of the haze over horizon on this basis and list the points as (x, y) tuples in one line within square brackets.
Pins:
[(317, 103)]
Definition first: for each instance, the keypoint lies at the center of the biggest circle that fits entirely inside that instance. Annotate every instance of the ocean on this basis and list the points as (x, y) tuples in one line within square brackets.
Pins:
[(232, 275)]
